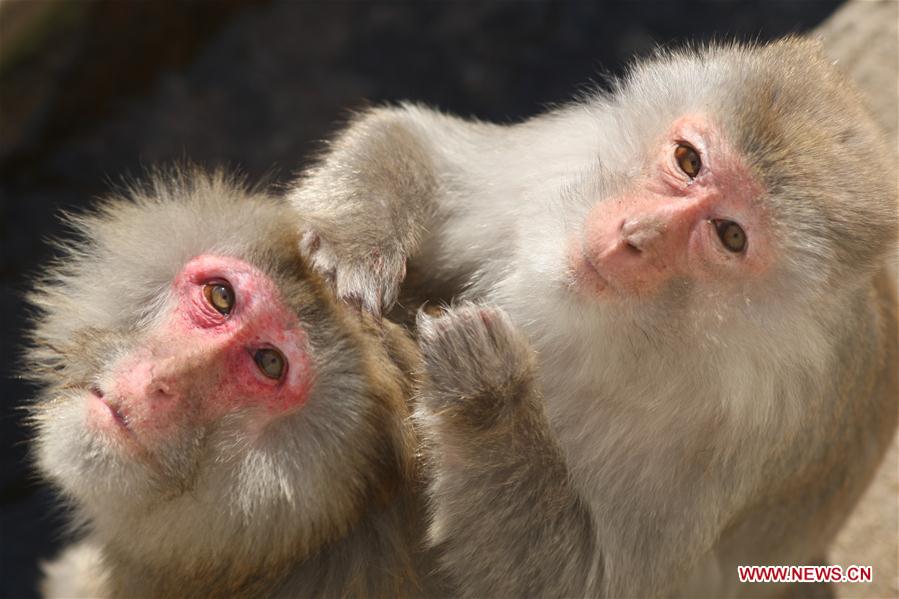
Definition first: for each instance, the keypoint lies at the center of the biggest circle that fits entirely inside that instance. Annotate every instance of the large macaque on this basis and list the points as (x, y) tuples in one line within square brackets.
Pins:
[(221, 425), (692, 365)]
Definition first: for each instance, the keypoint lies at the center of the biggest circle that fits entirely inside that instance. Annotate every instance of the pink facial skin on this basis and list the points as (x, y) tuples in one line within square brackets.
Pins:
[(198, 365), (661, 228)]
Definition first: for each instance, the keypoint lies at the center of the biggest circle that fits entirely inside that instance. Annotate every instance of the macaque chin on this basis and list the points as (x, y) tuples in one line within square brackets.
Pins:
[(220, 424)]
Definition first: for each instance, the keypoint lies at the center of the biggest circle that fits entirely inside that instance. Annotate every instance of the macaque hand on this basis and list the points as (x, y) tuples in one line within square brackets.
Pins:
[(480, 368), (369, 275), (366, 206)]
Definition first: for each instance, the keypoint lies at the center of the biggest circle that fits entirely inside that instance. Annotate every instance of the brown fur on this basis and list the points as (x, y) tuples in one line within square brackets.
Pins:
[(662, 440), (324, 501)]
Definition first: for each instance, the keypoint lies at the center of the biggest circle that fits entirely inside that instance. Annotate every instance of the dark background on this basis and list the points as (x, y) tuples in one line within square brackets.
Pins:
[(92, 91)]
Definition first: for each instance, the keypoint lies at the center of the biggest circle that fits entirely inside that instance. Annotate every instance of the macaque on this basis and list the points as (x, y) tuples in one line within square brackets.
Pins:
[(683, 353), (221, 425)]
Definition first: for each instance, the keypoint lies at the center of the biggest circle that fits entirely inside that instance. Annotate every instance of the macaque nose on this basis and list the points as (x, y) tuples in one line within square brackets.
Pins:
[(151, 380), (169, 377), (638, 243), (642, 233)]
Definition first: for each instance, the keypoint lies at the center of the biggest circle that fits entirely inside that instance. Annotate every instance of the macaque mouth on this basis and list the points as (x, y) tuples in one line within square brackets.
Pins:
[(100, 397)]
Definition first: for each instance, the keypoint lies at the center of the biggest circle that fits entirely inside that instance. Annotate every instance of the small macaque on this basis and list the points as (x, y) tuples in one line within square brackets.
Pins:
[(688, 362), (220, 424)]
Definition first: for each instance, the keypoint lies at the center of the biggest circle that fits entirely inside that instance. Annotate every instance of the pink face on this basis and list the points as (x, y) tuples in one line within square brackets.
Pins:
[(693, 214), (229, 344)]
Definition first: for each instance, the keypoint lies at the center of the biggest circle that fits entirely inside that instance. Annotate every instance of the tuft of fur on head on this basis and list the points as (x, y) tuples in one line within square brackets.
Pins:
[(215, 494)]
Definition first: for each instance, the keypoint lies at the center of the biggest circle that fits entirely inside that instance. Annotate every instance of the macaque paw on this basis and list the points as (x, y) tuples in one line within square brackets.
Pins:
[(478, 364), (370, 277)]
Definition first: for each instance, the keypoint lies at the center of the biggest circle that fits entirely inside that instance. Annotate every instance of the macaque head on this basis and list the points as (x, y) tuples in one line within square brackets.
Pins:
[(202, 392), (739, 182)]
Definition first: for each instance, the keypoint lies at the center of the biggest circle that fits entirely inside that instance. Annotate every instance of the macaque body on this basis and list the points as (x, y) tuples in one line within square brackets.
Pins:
[(220, 424), (698, 260)]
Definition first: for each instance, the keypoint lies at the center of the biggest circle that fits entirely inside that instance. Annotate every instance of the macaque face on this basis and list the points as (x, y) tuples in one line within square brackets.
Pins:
[(228, 344), (198, 397), (693, 214), (745, 182)]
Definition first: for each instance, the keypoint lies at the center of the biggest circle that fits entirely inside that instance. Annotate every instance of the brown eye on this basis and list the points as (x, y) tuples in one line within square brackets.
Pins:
[(688, 160), (270, 362), (220, 296), (731, 235)]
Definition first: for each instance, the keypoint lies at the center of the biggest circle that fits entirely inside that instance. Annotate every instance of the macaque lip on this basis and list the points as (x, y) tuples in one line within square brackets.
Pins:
[(103, 412)]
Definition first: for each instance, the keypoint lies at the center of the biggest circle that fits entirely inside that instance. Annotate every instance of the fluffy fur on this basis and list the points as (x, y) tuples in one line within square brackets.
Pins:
[(680, 435), (322, 501)]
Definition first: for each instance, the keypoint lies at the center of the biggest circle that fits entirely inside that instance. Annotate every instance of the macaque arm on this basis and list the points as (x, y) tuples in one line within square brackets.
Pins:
[(506, 519), (366, 207)]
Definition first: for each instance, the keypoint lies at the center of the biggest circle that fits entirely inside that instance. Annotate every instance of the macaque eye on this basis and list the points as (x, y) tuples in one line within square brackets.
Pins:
[(688, 160), (220, 296), (731, 235), (270, 362)]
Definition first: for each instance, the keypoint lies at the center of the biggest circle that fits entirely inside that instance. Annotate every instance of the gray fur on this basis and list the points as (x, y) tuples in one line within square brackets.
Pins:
[(681, 435), (491, 447), (323, 501)]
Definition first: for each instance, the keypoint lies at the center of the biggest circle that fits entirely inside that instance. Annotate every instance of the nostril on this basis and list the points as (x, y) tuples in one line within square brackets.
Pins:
[(161, 390), (640, 234), (631, 236)]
